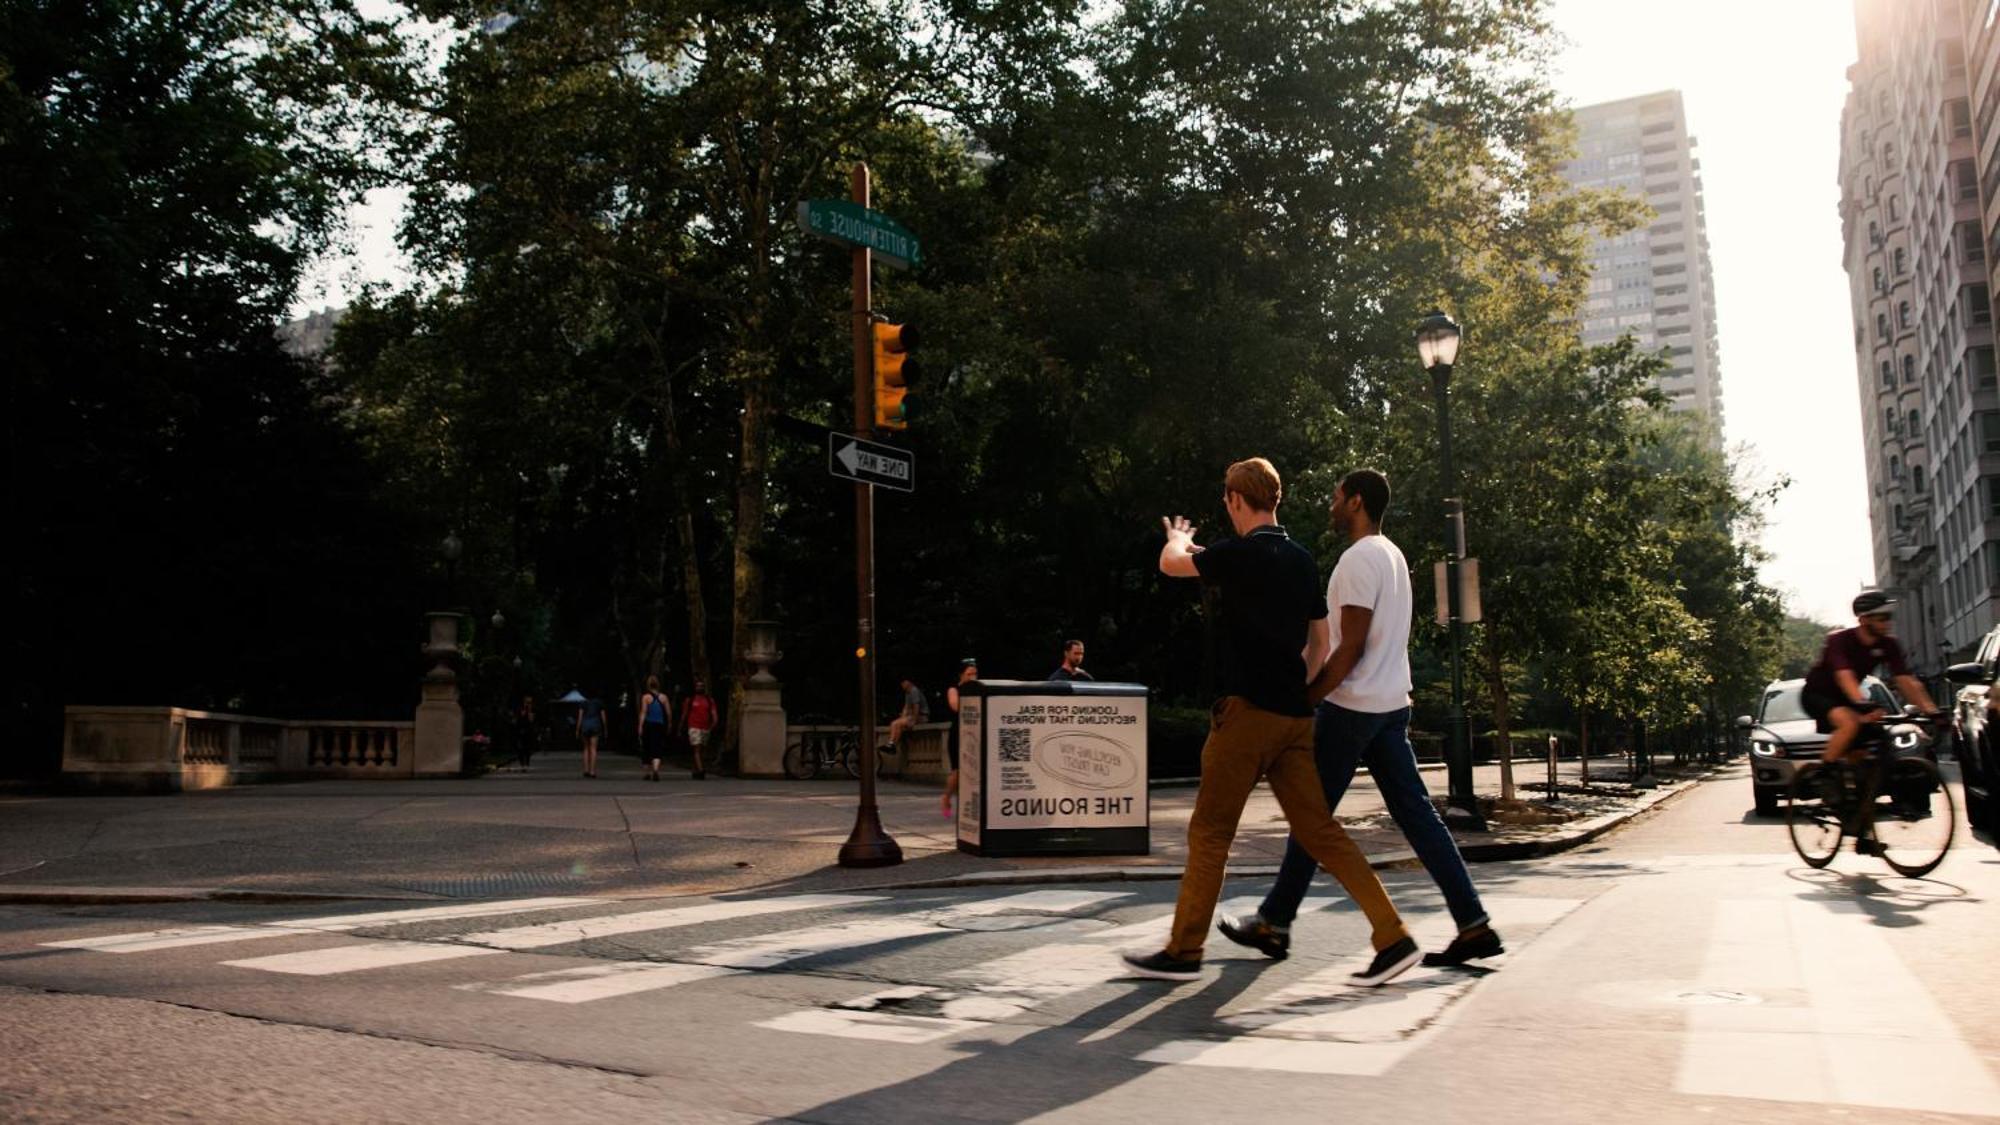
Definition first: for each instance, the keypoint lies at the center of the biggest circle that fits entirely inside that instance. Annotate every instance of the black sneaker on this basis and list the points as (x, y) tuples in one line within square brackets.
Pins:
[(1253, 931), (1480, 942), (1389, 964), (1160, 966), (1865, 846)]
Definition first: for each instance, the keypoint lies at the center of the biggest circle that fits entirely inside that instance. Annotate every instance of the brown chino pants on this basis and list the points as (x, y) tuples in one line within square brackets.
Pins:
[(1246, 743)]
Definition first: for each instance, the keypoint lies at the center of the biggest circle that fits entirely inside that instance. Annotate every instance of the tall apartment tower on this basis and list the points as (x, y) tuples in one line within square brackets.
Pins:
[(1654, 282), (1916, 252)]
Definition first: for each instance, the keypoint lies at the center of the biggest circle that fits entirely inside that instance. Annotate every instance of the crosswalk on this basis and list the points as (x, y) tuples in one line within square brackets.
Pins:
[(913, 971), (1037, 950)]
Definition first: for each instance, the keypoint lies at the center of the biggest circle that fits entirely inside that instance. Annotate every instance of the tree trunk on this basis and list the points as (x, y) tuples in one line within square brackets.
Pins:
[(1496, 687), (1583, 743), (752, 484), (691, 585)]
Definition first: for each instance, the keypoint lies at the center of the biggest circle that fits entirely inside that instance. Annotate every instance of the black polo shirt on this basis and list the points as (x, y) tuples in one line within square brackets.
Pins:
[(1269, 590)]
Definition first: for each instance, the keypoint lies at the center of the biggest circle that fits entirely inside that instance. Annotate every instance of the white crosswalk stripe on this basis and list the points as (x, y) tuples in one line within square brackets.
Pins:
[(355, 958), (1323, 1024), (1842, 1019), (612, 925), (149, 941)]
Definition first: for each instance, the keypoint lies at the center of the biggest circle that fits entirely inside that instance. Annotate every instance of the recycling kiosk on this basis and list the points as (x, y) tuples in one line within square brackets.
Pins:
[(1052, 768)]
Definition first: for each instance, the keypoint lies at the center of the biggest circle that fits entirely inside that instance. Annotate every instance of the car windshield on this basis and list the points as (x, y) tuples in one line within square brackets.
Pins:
[(1783, 706)]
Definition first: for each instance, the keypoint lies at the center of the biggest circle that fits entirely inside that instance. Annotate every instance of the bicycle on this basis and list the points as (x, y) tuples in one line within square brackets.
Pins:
[(1895, 804), (817, 752)]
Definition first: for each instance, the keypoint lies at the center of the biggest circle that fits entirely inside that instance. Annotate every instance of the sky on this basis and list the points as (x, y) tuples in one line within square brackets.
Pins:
[(1763, 82)]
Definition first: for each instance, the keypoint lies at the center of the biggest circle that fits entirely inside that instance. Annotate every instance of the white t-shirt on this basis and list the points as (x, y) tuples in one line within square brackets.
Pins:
[(1373, 575)]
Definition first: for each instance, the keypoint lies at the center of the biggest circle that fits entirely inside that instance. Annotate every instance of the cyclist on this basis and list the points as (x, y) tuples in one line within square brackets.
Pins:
[(1833, 694)]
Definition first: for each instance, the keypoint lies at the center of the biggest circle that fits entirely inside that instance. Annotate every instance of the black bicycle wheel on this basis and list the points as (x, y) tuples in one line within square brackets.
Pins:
[(1914, 817), (800, 764), (851, 758), (1812, 816)]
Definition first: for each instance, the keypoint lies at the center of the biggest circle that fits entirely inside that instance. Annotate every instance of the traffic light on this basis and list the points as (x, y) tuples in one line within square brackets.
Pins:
[(894, 372)]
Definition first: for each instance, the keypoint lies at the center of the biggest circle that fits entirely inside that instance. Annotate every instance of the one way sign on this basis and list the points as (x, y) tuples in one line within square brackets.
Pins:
[(869, 463)]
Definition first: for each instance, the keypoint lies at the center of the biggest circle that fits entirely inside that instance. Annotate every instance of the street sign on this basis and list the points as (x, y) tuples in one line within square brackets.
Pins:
[(855, 225), (865, 462)]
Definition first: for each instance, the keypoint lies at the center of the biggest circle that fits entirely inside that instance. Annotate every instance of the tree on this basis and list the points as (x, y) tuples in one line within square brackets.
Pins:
[(199, 512)]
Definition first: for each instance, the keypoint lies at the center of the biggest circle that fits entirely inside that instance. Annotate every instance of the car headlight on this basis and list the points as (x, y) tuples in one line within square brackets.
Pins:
[(1765, 747)]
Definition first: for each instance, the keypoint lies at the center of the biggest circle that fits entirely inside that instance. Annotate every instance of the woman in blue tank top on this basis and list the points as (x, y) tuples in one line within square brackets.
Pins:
[(656, 712)]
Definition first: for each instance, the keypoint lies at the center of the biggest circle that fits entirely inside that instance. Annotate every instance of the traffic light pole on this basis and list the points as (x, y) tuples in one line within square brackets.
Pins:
[(868, 845)]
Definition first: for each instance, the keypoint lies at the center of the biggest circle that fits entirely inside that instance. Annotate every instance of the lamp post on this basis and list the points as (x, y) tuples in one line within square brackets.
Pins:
[(1437, 350)]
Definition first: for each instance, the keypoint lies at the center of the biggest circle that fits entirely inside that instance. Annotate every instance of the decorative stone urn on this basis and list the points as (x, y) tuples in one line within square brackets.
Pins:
[(440, 734), (761, 745)]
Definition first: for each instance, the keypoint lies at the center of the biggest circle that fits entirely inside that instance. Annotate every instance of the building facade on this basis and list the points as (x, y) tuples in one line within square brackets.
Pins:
[(1654, 282), (1915, 250)]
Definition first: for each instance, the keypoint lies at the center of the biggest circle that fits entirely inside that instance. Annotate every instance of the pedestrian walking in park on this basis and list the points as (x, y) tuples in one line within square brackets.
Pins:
[(916, 709), (698, 715), (1071, 667), (656, 715), (1363, 692), (968, 671), (526, 733), (589, 728), (1274, 638)]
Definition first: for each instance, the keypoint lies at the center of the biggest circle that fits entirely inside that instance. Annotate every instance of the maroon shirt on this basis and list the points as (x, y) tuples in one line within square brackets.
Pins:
[(1845, 649)]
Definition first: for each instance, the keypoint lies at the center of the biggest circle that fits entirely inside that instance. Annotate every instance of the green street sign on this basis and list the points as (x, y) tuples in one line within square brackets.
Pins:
[(842, 221)]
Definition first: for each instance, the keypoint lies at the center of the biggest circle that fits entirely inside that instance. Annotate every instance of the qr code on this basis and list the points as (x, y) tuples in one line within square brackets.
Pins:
[(1014, 745)]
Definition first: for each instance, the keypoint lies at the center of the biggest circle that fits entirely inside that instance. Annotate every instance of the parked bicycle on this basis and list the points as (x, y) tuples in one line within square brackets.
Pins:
[(814, 752), (1892, 801)]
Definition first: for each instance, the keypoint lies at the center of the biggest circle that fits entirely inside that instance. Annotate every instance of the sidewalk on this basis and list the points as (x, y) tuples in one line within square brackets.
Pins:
[(551, 831)]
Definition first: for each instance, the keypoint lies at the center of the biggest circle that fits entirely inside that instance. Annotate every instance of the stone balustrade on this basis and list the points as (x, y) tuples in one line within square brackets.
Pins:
[(172, 748)]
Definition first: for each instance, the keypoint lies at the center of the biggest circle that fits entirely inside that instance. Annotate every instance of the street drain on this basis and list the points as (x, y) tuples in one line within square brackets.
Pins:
[(489, 886), (1718, 996)]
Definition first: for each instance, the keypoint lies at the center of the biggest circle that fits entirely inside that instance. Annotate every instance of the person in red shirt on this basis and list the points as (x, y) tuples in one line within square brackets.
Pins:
[(1832, 692), (698, 715)]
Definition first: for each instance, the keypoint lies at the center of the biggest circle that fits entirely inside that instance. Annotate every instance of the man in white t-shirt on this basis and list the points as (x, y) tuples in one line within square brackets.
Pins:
[(1363, 717)]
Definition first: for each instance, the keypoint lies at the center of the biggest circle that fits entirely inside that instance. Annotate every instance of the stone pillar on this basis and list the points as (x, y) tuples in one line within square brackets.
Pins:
[(761, 742), (440, 734)]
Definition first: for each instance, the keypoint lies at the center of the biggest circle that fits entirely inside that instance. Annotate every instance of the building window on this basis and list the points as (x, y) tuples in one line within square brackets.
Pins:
[(1916, 422), (1960, 113), (1978, 309), (1917, 479), (1966, 179), (1881, 326), (1909, 369), (1902, 261), (1899, 518), (1881, 283), (1895, 208), (1888, 375), (1982, 368), (1902, 314), (1992, 487), (1989, 432)]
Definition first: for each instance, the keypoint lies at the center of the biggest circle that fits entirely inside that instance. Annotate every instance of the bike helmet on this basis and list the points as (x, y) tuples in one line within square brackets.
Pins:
[(1872, 601)]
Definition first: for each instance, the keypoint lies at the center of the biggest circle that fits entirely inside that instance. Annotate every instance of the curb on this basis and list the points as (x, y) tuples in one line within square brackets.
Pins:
[(122, 896), (1580, 834)]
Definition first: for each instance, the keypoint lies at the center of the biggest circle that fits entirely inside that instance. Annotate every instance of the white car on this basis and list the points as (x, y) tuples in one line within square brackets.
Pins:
[(1783, 735)]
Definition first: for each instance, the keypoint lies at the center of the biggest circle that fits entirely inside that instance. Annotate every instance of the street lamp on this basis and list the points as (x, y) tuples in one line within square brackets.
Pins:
[(1437, 350)]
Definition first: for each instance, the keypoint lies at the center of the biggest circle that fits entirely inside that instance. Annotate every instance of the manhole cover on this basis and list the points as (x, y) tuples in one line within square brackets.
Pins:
[(489, 886), (1718, 996)]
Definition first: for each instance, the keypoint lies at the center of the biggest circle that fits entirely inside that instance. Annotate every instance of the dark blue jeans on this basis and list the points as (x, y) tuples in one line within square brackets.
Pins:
[(1343, 740)]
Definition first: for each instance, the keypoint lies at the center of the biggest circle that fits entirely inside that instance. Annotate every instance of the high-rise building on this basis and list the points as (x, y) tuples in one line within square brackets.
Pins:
[(1654, 281), (1918, 270)]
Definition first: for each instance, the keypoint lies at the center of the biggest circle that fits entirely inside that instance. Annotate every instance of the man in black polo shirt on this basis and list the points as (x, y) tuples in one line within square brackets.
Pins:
[(1274, 638)]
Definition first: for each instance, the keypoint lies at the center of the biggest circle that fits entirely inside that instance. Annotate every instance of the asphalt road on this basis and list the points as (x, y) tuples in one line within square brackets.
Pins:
[(1685, 968)]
